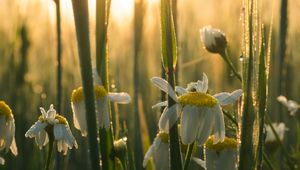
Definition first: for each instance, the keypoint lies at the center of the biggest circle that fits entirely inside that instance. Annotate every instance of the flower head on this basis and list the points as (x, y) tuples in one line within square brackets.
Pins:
[(222, 155), (102, 99), (290, 104), (213, 39), (7, 129), (201, 112), (159, 151), (51, 124)]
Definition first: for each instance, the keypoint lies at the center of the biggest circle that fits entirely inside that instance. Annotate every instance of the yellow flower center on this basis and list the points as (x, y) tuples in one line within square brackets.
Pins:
[(77, 94), (61, 119), (5, 110), (228, 143), (164, 137), (197, 99)]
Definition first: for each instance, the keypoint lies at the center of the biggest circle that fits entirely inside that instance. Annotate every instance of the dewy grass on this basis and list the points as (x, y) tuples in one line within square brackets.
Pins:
[(81, 17), (102, 20), (169, 58)]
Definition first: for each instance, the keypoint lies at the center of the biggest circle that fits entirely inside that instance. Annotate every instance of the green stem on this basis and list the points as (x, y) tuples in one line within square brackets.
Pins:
[(231, 118), (59, 69), (106, 135), (230, 64), (81, 17), (50, 150), (268, 161), (188, 156)]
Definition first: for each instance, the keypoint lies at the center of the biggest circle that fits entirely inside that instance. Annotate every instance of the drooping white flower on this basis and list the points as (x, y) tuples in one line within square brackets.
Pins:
[(51, 123), (280, 129), (201, 112), (290, 104), (159, 152), (214, 40), (7, 129), (102, 99)]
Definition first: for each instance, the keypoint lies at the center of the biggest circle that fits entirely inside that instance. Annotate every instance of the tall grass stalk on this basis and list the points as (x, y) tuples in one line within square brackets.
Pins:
[(59, 69), (188, 156), (81, 17), (262, 99), (138, 33), (106, 136), (169, 57), (248, 115)]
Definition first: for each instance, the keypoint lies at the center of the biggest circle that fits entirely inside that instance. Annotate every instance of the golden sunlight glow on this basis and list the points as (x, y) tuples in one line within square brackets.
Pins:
[(122, 10)]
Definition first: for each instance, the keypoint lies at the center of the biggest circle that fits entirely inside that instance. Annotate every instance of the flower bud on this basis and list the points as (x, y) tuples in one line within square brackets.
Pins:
[(214, 40), (120, 147)]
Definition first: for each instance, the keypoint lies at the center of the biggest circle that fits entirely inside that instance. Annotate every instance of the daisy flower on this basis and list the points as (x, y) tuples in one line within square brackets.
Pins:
[(50, 124), (201, 112), (214, 40), (159, 152), (7, 129), (290, 104), (102, 99)]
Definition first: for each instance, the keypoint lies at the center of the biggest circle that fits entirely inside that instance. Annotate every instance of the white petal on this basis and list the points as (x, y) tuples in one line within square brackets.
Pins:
[(121, 98), (51, 113), (200, 162), (169, 118), (9, 133), (44, 113), (58, 131), (180, 90), (227, 159), (42, 139), (160, 104), (35, 129), (164, 86), (13, 147), (206, 124), (103, 114), (161, 157), (189, 124), (225, 98), (79, 117), (150, 152), (202, 86), (96, 77), (2, 161), (219, 131)]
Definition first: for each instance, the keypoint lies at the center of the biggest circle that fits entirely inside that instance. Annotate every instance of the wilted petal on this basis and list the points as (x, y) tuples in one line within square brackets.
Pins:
[(225, 98), (169, 118), (41, 139), (103, 114), (164, 86), (121, 98), (202, 86), (190, 120)]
